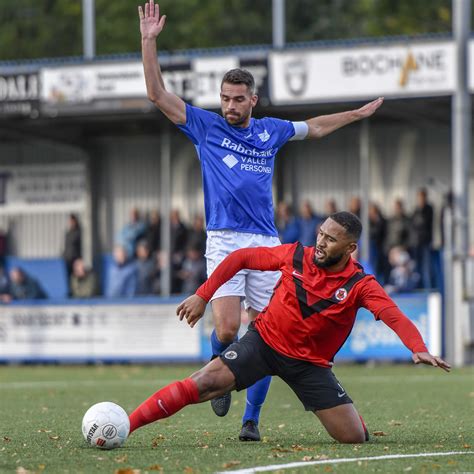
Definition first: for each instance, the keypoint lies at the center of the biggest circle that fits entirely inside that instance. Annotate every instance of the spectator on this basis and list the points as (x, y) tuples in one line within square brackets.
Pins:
[(402, 277), (146, 268), (3, 246), (355, 205), (179, 239), (398, 227), (287, 224), (377, 234), (123, 278), (422, 236), (309, 223), (330, 208), (193, 271), (197, 234), (153, 232), (23, 287), (72, 243), (132, 232), (3, 280), (84, 282)]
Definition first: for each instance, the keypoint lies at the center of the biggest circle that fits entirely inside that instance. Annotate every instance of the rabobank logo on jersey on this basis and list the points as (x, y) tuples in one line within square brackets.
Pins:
[(239, 148)]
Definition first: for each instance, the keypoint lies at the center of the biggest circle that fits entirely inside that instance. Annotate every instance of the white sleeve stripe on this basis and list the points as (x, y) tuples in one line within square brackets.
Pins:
[(301, 131)]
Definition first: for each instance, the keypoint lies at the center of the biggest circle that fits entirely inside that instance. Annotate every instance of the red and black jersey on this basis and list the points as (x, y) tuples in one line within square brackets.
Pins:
[(312, 310)]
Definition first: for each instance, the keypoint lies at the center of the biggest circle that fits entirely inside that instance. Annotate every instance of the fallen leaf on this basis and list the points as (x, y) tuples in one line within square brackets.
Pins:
[(155, 467), (409, 468), (230, 464), (281, 426), (54, 438), (395, 423), (467, 446), (379, 433), (127, 470), (6, 439), (121, 458)]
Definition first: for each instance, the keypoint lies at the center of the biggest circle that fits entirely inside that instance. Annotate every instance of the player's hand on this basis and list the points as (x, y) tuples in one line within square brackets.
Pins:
[(368, 109), (428, 359), (151, 23), (192, 309)]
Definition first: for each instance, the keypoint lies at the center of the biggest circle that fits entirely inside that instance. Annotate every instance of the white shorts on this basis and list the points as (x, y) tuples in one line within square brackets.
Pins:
[(253, 286)]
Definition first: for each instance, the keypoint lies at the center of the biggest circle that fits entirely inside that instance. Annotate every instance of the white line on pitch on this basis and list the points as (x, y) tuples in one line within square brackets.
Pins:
[(251, 470)]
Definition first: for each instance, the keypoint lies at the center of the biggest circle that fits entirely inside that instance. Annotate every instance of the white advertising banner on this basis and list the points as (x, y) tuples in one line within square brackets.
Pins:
[(96, 332), (82, 84), (404, 70), (43, 187)]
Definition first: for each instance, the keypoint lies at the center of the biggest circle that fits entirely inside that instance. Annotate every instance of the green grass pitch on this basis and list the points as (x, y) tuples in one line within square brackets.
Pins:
[(411, 409)]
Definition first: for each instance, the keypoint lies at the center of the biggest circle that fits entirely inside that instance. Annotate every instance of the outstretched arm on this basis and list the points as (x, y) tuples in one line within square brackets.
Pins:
[(411, 337), (323, 125), (151, 25)]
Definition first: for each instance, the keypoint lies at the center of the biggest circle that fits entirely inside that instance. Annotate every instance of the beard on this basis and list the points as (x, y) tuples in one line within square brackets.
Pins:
[(236, 120), (328, 261)]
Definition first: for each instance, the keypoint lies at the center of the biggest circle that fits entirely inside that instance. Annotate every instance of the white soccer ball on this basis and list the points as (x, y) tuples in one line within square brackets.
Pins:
[(105, 425)]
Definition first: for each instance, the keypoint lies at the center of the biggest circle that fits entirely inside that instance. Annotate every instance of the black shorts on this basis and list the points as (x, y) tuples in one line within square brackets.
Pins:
[(252, 358)]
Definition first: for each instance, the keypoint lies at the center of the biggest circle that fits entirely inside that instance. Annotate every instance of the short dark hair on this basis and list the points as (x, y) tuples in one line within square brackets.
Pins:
[(240, 76), (350, 222)]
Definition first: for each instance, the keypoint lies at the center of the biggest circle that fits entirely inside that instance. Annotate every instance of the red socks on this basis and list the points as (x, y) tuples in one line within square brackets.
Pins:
[(164, 403)]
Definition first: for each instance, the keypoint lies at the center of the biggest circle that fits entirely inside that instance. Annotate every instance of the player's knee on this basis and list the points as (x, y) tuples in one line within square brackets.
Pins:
[(351, 437), (206, 381), (227, 334)]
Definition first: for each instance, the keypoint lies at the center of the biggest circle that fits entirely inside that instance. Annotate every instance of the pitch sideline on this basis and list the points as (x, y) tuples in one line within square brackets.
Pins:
[(342, 460)]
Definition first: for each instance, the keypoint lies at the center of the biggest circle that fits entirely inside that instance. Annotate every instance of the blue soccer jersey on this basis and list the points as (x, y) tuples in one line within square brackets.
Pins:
[(237, 169)]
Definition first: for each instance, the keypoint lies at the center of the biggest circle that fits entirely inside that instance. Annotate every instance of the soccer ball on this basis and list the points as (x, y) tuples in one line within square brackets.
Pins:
[(105, 425)]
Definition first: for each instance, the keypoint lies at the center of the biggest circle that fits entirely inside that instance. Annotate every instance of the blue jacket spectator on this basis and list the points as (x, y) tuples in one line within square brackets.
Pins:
[(132, 232), (287, 224), (309, 223), (23, 287), (123, 276)]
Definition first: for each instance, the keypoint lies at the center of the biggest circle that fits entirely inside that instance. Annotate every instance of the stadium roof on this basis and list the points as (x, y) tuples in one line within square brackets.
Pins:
[(250, 51)]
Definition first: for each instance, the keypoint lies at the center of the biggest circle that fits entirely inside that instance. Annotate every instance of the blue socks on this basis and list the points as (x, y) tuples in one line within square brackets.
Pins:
[(255, 394), (217, 346), (255, 397)]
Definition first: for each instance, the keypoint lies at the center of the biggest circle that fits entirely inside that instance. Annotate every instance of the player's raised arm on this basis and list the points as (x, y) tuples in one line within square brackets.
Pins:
[(323, 125), (151, 25)]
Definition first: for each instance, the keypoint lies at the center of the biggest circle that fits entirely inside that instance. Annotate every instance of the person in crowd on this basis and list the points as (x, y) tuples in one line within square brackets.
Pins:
[(355, 205), (422, 236), (287, 223), (398, 227), (179, 240), (3, 280), (193, 270), (84, 282), (309, 222), (153, 232), (403, 277), (123, 276), (319, 293), (330, 207), (72, 244), (132, 232), (3, 245), (197, 234), (377, 235), (22, 286), (146, 267), (236, 152)]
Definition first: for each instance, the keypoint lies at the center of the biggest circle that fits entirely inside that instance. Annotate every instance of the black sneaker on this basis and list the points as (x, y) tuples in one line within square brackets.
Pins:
[(221, 405), (249, 431)]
